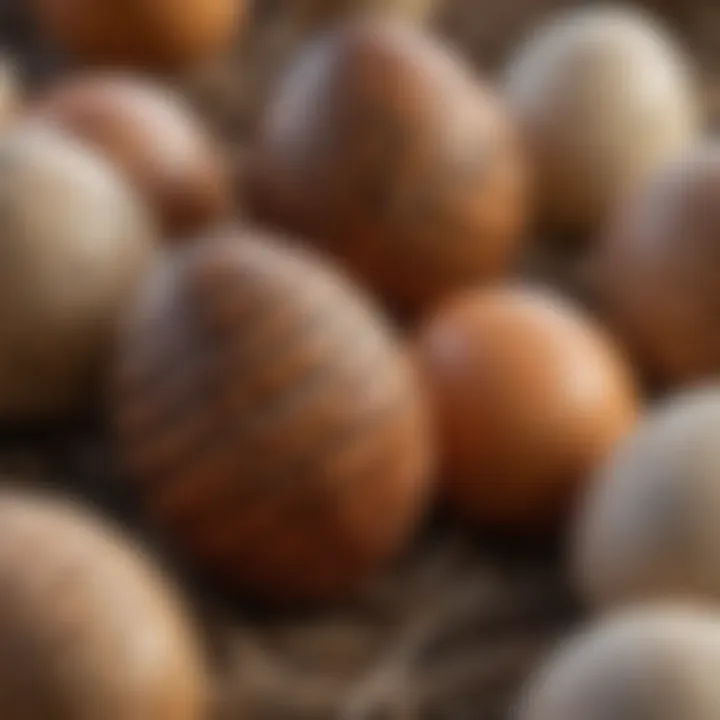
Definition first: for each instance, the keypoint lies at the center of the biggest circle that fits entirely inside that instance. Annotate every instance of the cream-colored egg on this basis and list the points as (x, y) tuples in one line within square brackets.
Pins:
[(73, 241), (605, 98)]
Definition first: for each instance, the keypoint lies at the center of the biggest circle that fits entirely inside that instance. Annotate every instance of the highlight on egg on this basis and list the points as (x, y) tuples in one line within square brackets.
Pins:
[(529, 395)]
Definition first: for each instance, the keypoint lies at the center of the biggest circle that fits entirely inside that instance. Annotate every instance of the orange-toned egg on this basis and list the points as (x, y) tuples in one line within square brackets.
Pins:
[(148, 34), (380, 146), (657, 271), (529, 397), (154, 138), (271, 421), (89, 627)]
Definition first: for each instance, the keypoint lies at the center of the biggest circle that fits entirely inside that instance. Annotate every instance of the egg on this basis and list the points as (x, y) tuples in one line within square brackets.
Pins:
[(154, 138), (315, 13), (657, 271), (652, 662), (604, 98), (648, 526), (270, 419), (381, 148), (9, 92), (89, 627), (146, 34), (74, 241), (529, 396)]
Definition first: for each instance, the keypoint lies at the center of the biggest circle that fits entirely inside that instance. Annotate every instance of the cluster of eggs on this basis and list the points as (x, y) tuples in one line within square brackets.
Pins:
[(281, 430)]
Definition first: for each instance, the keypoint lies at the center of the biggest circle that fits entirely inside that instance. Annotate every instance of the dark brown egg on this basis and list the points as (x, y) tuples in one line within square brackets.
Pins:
[(74, 241), (270, 419), (149, 34), (381, 147), (88, 627), (154, 138), (658, 271), (529, 396)]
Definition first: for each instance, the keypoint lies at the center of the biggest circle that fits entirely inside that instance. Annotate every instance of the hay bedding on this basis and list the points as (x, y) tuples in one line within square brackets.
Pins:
[(451, 632)]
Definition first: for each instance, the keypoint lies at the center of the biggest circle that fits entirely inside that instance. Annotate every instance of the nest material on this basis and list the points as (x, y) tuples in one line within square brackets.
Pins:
[(454, 630)]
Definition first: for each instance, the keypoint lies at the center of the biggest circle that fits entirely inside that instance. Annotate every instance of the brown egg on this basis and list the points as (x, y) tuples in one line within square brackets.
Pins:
[(658, 271), (648, 527), (74, 240), (154, 138), (271, 420), (659, 661), (315, 13), (88, 627), (380, 146), (604, 98), (529, 397), (148, 34)]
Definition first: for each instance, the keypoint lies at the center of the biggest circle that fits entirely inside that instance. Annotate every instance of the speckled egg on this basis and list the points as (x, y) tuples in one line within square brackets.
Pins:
[(147, 34), (529, 396), (604, 98), (271, 420), (149, 132), (648, 526), (89, 628), (381, 147), (657, 271), (74, 241)]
